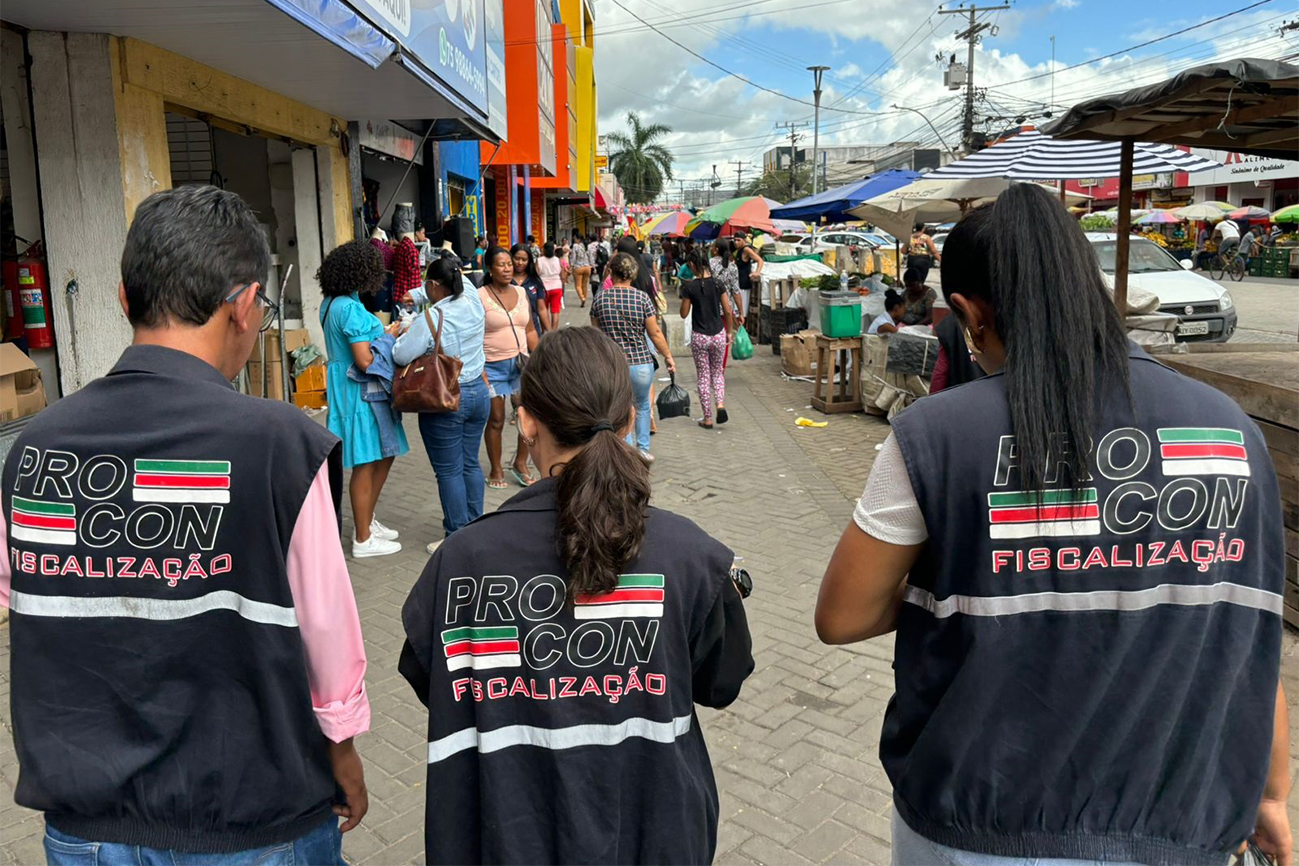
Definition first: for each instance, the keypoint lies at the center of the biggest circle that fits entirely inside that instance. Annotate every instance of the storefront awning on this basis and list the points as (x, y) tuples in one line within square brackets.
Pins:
[(318, 52)]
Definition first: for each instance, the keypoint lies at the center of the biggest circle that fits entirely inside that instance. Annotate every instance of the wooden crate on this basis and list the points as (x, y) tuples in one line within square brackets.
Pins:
[(1264, 380)]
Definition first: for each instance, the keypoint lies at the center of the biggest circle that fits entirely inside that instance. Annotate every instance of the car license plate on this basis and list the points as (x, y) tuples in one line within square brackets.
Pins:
[(1193, 329)]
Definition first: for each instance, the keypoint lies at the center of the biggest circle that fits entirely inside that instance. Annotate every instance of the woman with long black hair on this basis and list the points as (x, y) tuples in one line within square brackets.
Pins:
[(561, 644), (528, 278), (1082, 557)]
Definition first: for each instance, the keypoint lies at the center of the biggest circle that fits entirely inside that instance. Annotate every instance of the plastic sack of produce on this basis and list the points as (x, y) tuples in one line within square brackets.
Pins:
[(673, 401)]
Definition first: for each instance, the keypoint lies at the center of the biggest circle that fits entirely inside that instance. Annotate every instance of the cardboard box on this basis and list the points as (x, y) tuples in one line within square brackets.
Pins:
[(798, 353), (309, 399), (275, 387), (311, 379), (22, 392), (295, 339)]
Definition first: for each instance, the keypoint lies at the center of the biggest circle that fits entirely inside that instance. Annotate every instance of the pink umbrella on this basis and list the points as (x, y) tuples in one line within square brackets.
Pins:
[(673, 225), (1249, 212), (1158, 217)]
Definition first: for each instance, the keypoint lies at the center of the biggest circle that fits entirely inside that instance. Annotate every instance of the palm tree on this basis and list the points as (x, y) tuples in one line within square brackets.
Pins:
[(642, 165)]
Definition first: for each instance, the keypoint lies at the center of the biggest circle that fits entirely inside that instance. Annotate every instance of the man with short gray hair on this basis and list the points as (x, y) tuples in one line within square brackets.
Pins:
[(187, 665)]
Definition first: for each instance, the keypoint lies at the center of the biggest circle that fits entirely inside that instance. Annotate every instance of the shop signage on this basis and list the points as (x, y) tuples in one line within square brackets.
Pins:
[(391, 139), (602, 161), (545, 86), (447, 36), (504, 189), (494, 25), (1238, 167)]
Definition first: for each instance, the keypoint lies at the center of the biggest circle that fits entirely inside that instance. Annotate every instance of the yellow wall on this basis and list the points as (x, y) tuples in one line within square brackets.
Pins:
[(585, 106), (146, 78)]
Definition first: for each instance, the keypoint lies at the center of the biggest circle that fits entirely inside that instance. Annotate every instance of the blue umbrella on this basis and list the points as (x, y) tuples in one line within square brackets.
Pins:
[(834, 204)]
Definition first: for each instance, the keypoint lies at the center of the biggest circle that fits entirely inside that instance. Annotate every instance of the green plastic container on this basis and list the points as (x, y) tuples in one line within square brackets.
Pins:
[(841, 314)]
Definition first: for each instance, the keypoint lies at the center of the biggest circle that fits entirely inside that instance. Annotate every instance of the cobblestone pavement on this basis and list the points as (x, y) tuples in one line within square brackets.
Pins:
[(796, 756)]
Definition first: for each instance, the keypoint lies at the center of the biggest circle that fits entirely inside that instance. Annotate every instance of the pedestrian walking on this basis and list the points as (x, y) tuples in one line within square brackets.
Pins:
[(1082, 556), (922, 253), (451, 438), (360, 412), (508, 338), (581, 260), (748, 271), (201, 705), (527, 278), (627, 314), (562, 642), (552, 271), (711, 323)]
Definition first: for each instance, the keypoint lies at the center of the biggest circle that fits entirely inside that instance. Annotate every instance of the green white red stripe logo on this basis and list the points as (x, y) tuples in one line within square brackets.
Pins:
[(1046, 513), (636, 595), (45, 522), (182, 481), (1203, 451), (481, 648)]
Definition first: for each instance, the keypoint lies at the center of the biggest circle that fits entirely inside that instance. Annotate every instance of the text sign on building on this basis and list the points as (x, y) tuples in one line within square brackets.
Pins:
[(447, 36), (494, 25), (1237, 168), (390, 139)]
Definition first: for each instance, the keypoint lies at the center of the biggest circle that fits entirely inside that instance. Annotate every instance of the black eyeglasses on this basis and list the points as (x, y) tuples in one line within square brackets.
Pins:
[(270, 309)]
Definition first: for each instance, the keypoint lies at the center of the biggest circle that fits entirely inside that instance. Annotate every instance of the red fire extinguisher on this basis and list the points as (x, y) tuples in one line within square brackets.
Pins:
[(13, 305), (34, 298)]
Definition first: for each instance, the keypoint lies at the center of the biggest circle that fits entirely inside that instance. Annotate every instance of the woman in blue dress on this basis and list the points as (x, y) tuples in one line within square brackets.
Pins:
[(371, 432)]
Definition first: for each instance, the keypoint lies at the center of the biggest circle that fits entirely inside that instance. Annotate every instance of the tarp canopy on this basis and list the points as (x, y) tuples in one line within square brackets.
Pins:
[(1246, 106), (834, 204)]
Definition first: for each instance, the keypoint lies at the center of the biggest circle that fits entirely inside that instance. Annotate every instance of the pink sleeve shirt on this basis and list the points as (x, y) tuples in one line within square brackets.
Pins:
[(325, 608)]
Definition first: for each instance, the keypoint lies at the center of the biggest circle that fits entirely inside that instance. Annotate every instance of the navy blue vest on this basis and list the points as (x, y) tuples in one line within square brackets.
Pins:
[(1089, 673)]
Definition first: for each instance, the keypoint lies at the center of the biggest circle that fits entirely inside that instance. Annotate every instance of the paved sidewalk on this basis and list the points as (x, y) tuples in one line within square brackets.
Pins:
[(796, 756)]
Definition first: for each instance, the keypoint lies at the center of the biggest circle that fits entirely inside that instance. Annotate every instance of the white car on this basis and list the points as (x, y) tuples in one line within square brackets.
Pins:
[(830, 239), (1204, 307)]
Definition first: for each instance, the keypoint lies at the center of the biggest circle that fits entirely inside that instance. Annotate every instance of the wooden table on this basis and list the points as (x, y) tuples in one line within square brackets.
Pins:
[(841, 391)]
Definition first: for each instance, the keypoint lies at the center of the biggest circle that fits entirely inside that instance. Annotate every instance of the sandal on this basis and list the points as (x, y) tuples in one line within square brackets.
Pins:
[(523, 479), (497, 484), (705, 426), (722, 417)]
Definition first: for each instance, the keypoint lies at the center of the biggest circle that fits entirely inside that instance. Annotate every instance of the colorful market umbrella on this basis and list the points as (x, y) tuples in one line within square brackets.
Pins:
[(750, 212), (1287, 214), (670, 224), (1208, 211), (1249, 212), (1159, 218)]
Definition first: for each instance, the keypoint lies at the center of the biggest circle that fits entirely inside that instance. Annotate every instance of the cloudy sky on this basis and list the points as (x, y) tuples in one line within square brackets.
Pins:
[(883, 53)]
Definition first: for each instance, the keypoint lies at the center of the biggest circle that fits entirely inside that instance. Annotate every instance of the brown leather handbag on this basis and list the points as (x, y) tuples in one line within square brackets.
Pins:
[(430, 383)]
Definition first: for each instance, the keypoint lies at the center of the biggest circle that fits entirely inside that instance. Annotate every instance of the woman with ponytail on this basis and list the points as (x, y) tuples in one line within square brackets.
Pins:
[(561, 644), (1080, 675)]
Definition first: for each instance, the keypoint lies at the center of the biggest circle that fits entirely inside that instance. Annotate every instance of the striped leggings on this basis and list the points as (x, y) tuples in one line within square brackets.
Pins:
[(709, 354)]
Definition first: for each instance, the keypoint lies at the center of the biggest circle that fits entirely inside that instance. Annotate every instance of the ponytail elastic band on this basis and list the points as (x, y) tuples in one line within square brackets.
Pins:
[(602, 425)]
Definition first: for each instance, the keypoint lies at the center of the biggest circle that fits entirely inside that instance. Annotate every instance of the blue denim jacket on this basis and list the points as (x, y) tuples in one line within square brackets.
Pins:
[(462, 334)]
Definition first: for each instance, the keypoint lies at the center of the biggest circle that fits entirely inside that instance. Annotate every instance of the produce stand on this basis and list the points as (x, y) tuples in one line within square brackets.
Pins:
[(1264, 380)]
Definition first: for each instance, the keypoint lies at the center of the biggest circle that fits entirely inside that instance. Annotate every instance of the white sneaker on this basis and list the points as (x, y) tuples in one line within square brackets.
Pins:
[(378, 530), (374, 546), (432, 547)]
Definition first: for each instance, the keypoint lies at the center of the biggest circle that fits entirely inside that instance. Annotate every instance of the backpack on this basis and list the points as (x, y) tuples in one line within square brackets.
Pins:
[(601, 257)]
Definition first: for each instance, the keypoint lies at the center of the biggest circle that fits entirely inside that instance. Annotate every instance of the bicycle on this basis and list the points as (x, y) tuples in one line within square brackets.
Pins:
[(1233, 263)]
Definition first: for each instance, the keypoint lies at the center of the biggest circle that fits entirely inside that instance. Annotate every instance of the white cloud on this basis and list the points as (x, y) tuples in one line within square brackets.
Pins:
[(1065, 4)]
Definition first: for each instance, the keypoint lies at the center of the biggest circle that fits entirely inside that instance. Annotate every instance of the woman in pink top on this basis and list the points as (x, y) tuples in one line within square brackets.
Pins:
[(508, 338), (553, 271)]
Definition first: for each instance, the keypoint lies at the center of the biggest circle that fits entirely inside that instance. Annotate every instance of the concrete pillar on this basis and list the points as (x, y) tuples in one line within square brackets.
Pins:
[(81, 176)]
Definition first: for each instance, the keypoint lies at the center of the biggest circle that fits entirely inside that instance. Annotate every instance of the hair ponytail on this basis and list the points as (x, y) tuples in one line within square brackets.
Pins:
[(578, 385), (1065, 346)]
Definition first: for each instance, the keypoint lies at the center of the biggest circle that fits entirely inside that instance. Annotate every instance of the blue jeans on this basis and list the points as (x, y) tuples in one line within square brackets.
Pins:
[(451, 439), (321, 847), (642, 379)]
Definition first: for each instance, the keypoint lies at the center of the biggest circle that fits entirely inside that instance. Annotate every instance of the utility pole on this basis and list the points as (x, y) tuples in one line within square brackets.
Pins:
[(971, 37), (713, 184), (739, 175), (793, 127), (817, 72)]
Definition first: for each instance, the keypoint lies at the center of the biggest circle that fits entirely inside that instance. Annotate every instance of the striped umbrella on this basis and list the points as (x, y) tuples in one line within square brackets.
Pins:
[(670, 224), (1030, 155), (1208, 211), (750, 212), (1287, 214), (1159, 218), (1249, 212)]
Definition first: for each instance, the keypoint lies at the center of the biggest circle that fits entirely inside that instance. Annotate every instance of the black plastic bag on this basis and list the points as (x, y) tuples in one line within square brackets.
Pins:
[(673, 401)]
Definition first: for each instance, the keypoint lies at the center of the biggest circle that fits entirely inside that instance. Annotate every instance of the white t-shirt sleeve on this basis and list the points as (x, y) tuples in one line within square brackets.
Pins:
[(888, 509)]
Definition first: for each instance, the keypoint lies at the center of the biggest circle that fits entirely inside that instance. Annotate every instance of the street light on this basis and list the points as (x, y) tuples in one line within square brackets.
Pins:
[(941, 140), (817, 72)]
